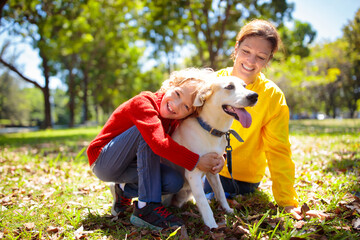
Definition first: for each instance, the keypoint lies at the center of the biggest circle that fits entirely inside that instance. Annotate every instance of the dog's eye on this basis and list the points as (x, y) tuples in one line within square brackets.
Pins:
[(230, 87)]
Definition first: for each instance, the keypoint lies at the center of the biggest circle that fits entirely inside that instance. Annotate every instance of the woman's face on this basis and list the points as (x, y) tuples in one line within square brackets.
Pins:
[(251, 56)]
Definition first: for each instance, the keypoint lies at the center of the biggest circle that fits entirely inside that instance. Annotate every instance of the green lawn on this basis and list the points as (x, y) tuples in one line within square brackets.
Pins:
[(47, 191)]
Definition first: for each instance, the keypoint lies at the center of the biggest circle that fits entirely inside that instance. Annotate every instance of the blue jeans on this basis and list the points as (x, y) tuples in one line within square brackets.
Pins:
[(128, 159), (233, 187)]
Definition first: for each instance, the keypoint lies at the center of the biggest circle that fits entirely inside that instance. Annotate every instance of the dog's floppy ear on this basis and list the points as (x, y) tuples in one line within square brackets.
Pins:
[(201, 96), (199, 100)]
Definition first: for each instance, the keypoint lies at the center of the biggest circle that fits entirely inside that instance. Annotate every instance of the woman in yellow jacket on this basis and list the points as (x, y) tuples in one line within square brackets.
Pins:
[(266, 141)]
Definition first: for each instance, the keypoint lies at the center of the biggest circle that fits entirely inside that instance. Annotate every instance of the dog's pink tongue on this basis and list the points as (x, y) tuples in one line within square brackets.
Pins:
[(244, 117)]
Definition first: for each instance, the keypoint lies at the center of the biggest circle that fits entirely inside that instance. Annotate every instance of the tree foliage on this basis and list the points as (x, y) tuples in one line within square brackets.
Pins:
[(107, 51), (352, 75), (207, 27), (324, 78), (19, 104)]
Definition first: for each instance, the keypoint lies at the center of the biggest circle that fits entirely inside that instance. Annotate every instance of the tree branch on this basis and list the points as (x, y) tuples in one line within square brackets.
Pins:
[(223, 25), (12, 68), (197, 31)]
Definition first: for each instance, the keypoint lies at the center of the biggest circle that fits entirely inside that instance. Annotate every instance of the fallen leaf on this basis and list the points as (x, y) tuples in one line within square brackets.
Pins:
[(304, 208), (356, 223), (242, 230), (29, 226), (183, 233), (216, 236), (299, 224), (132, 233), (257, 216), (191, 214), (52, 229)]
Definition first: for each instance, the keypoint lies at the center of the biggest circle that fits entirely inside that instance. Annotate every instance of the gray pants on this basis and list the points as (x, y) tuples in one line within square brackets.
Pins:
[(128, 159)]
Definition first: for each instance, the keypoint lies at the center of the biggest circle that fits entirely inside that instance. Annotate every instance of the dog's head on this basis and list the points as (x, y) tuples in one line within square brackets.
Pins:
[(228, 95)]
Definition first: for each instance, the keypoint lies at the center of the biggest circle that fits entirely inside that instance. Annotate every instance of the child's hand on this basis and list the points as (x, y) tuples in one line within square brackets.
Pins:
[(211, 162)]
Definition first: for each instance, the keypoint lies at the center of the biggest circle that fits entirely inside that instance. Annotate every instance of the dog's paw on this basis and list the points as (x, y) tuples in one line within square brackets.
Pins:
[(211, 223), (230, 211), (212, 226)]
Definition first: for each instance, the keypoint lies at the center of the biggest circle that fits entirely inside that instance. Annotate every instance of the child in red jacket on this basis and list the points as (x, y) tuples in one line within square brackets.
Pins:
[(131, 144)]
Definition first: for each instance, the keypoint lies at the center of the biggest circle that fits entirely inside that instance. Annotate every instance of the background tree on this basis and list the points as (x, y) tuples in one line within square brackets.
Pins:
[(296, 41), (105, 52), (39, 22), (351, 78), (208, 27), (19, 104)]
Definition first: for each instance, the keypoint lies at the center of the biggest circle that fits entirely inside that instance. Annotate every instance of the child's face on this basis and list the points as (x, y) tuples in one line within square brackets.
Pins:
[(251, 56), (177, 102)]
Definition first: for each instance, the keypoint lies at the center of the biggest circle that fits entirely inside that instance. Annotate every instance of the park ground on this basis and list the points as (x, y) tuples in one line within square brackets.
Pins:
[(47, 191)]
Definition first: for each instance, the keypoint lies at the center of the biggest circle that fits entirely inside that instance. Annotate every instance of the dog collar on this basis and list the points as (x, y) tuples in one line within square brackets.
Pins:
[(208, 128)]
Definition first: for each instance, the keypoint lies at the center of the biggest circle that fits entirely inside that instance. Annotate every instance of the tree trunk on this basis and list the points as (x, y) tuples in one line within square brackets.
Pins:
[(46, 91), (48, 120), (85, 96), (72, 97)]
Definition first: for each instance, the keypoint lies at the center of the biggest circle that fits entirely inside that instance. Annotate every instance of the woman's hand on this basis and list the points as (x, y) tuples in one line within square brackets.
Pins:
[(211, 162), (298, 215)]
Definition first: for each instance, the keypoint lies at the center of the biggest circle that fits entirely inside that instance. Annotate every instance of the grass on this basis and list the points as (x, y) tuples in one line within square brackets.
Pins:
[(47, 191)]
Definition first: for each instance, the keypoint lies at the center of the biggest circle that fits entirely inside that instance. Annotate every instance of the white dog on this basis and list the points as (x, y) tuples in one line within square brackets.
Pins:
[(220, 101)]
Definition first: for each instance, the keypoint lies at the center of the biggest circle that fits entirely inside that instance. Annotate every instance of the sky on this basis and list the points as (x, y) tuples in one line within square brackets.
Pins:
[(327, 17)]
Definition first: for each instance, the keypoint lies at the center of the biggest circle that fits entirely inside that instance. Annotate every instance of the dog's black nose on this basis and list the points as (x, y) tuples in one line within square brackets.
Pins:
[(252, 97)]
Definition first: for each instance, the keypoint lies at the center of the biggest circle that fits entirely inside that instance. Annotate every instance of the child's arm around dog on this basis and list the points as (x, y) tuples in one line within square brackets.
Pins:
[(143, 112)]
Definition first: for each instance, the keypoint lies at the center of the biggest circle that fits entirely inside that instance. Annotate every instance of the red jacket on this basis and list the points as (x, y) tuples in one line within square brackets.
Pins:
[(143, 111)]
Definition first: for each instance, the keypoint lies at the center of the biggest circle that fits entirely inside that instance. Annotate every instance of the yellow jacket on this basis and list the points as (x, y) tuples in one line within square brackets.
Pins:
[(266, 142)]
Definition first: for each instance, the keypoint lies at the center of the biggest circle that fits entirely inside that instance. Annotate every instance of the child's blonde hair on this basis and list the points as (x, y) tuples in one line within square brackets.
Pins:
[(194, 76)]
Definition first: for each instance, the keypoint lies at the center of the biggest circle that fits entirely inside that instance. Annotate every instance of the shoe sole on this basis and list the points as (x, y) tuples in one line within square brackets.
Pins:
[(141, 223), (113, 193)]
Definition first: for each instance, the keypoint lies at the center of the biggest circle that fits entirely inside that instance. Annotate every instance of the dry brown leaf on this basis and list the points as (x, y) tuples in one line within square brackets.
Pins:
[(52, 229), (191, 214), (299, 224), (346, 228), (216, 236), (183, 233), (304, 208), (29, 226), (356, 224), (242, 230), (133, 233), (274, 222), (257, 216)]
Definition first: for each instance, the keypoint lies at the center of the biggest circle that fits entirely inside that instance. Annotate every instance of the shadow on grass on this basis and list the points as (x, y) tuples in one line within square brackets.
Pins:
[(254, 203), (344, 161), (96, 227), (117, 228)]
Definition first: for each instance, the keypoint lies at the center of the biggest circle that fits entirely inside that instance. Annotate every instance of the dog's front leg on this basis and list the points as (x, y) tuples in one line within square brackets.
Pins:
[(217, 187), (194, 179)]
